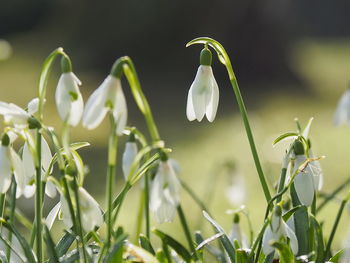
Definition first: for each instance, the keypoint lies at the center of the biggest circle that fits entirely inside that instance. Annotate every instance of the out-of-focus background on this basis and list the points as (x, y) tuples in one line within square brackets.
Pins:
[(292, 59)]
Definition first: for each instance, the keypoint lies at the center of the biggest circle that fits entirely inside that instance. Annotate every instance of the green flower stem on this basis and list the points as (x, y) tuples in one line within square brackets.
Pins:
[(68, 197), (187, 232), (140, 216), (2, 204), (112, 159), (12, 214), (335, 226), (146, 205), (38, 200), (224, 59), (281, 184)]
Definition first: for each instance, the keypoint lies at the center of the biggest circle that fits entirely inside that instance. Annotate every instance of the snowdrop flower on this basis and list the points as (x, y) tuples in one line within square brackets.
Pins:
[(129, 155), (17, 116), (276, 230), (91, 214), (203, 96), (236, 192), (108, 96), (69, 101), (30, 171), (10, 163), (165, 193), (342, 113), (236, 233)]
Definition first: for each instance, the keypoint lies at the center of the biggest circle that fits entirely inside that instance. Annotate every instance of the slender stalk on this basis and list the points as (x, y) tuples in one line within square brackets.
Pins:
[(334, 228), (112, 158), (38, 200), (146, 194), (12, 214), (187, 232), (140, 215), (2, 206), (281, 184)]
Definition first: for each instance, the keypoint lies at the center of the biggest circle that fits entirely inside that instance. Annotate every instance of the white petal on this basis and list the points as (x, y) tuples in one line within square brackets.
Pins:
[(120, 111), (304, 187), (201, 91), (267, 237), (29, 191), (67, 220), (292, 237), (342, 113), (33, 106), (46, 156), (91, 212), (213, 102), (69, 109), (306, 131), (128, 157), (51, 217), (191, 116), (5, 169), (50, 189), (236, 233), (95, 109), (19, 172)]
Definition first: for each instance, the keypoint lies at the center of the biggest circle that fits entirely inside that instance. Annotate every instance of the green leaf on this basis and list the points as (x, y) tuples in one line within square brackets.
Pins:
[(64, 244), (337, 256), (23, 242), (301, 222), (115, 255), (290, 212), (241, 256), (284, 136), (179, 248), (286, 255), (211, 249), (50, 245), (319, 251), (71, 257), (224, 238), (146, 244)]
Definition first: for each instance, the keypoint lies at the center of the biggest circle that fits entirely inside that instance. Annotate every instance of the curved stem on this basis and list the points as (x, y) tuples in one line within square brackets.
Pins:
[(112, 157), (224, 59), (38, 200)]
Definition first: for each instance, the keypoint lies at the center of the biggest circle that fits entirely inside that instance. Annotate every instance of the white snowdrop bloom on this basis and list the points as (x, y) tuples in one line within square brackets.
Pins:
[(10, 163), (203, 96), (276, 230), (65, 213), (165, 193), (129, 156), (236, 233), (317, 172), (30, 172), (108, 96), (342, 113), (69, 101), (90, 211)]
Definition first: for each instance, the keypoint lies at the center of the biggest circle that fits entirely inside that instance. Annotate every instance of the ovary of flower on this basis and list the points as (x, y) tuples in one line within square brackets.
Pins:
[(203, 96), (69, 101), (165, 193), (275, 231), (129, 155), (30, 171), (108, 96), (342, 113), (10, 163)]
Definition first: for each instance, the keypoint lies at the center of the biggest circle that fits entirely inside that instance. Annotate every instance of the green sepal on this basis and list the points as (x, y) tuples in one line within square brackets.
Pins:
[(205, 57)]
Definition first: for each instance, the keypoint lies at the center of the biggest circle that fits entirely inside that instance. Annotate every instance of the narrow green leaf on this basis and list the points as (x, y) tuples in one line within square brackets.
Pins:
[(224, 238), (211, 249), (146, 244), (319, 251), (3, 258), (179, 248), (241, 256), (71, 257), (115, 254), (337, 256), (290, 212), (64, 244), (285, 136), (23, 242), (50, 245)]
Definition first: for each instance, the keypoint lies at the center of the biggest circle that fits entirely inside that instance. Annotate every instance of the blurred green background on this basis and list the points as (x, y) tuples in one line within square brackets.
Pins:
[(291, 58)]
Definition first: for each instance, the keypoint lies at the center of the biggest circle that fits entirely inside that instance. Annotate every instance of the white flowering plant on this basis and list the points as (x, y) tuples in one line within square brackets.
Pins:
[(49, 163)]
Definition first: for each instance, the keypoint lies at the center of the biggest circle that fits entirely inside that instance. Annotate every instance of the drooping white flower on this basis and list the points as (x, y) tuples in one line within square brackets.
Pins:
[(276, 230), (165, 193), (69, 101), (91, 214), (30, 171), (108, 96), (129, 155), (236, 233), (10, 163), (203, 96), (342, 113), (236, 192)]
